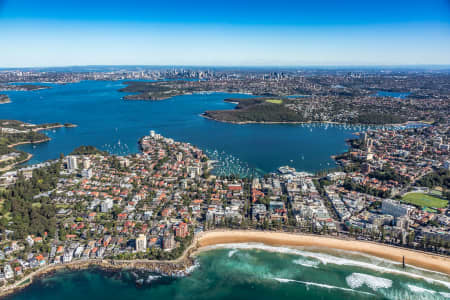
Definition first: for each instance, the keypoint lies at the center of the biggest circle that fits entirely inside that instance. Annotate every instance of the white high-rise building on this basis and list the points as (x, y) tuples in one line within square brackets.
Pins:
[(141, 243), (72, 163), (179, 156), (86, 163), (395, 208)]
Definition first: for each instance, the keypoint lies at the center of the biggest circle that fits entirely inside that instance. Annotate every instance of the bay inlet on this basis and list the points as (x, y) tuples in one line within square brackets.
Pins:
[(106, 121)]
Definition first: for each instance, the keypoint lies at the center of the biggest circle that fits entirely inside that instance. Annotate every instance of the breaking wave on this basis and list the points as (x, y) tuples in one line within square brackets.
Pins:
[(421, 290), (306, 263), (151, 278), (326, 286), (357, 280), (232, 252), (330, 259), (192, 268)]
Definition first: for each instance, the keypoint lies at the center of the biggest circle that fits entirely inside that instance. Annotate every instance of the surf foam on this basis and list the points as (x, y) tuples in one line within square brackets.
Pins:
[(322, 285), (232, 252), (418, 289), (306, 263), (356, 280), (328, 259)]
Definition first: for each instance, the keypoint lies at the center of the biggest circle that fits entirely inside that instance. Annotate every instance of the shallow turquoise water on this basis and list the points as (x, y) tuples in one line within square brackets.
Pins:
[(264, 273), (104, 120)]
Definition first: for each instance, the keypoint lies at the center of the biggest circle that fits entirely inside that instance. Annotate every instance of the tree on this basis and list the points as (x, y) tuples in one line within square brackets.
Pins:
[(62, 234), (411, 238)]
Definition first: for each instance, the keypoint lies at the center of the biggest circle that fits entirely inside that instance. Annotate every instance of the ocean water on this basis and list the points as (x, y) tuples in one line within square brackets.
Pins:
[(249, 271), (110, 123)]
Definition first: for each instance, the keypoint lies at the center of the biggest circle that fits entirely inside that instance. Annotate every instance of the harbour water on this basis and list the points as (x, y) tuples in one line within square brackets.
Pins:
[(252, 271), (106, 121), (392, 94)]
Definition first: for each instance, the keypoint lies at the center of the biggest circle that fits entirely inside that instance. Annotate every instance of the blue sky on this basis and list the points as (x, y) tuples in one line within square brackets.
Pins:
[(278, 32)]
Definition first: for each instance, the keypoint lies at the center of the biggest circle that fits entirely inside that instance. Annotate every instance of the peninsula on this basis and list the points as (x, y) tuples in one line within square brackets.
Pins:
[(325, 109), (23, 87), (153, 209), (329, 97)]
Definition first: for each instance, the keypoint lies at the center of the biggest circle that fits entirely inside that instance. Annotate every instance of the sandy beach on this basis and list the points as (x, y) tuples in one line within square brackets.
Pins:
[(414, 258), (216, 237)]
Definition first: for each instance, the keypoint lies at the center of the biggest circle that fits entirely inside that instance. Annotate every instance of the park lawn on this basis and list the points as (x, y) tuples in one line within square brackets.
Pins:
[(424, 200), (59, 206), (275, 101), (436, 192), (3, 141)]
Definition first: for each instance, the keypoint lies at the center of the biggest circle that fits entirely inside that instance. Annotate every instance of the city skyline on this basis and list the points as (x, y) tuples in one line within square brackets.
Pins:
[(298, 33)]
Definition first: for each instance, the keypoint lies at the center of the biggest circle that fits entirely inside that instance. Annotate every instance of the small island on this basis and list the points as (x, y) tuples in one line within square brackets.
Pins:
[(4, 99)]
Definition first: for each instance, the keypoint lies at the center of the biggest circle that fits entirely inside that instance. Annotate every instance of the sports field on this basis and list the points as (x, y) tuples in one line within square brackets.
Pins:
[(424, 200), (275, 101)]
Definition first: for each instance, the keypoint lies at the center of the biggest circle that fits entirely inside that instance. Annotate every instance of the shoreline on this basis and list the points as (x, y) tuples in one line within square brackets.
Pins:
[(181, 265), (29, 142), (182, 94), (29, 155), (311, 122), (9, 167), (167, 267), (66, 125), (416, 258)]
